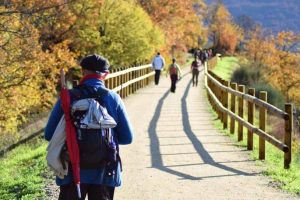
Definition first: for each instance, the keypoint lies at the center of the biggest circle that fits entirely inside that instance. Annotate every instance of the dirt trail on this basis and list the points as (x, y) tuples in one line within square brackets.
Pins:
[(177, 154)]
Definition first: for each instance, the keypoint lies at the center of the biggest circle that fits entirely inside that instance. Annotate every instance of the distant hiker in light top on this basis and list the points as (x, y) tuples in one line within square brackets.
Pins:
[(175, 74), (195, 69), (158, 64), (98, 182)]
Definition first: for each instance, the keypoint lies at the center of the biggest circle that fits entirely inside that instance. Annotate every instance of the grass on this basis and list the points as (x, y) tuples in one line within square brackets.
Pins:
[(226, 66), (22, 172), (288, 180)]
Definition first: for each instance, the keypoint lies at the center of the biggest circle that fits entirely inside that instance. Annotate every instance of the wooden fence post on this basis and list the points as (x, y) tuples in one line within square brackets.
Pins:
[(241, 112), (225, 104), (251, 111), (211, 85), (120, 82), (139, 82), (262, 125), (114, 81), (111, 80), (136, 83), (205, 74), (288, 135), (125, 81), (213, 88), (106, 81), (218, 91), (145, 80), (221, 100), (232, 108), (142, 74)]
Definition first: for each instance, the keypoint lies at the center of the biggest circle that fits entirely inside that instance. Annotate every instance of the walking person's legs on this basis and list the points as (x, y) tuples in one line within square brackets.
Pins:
[(172, 86), (173, 82), (157, 75), (193, 78), (197, 75), (93, 191), (100, 192), (69, 192)]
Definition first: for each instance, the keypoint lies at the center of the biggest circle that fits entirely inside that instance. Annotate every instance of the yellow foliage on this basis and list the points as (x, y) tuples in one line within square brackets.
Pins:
[(28, 75), (279, 59), (127, 33)]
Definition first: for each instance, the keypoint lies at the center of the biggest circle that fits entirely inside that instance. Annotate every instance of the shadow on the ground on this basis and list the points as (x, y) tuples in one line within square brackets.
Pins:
[(156, 156)]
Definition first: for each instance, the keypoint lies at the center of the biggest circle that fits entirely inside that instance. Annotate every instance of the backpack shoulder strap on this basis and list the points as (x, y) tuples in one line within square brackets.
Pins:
[(83, 91)]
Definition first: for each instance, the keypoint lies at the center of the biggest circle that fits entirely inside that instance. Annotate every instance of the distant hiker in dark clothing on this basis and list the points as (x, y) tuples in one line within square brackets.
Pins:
[(158, 64), (206, 56), (195, 68), (201, 55), (175, 74)]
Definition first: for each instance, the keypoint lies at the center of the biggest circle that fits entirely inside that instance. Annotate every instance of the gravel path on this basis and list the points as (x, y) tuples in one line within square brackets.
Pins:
[(178, 154)]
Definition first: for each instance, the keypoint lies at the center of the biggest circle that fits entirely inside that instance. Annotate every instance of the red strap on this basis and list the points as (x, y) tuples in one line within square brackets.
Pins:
[(93, 76)]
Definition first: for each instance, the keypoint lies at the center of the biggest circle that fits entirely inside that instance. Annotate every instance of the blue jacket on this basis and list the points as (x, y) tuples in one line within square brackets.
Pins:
[(123, 132)]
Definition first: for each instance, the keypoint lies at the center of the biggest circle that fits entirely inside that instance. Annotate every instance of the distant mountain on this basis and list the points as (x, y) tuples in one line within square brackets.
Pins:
[(276, 15)]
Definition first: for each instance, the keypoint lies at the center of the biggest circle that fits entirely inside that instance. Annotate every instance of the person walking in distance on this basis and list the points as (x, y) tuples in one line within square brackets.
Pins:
[(195, 69), (158, 64), (175, 74), (100, 171)]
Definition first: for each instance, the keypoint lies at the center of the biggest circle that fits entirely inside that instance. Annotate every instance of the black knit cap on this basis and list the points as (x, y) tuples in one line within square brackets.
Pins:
[(95, 63)]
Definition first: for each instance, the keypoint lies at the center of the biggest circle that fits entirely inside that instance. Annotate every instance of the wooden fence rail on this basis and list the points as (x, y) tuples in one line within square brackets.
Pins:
[(127, 81), (219, 91)]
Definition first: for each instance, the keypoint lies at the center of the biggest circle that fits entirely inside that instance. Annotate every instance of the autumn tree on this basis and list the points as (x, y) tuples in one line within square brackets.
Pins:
[(125, 33), (285, 72), (260, 49), (20, 65), (279, 59), (225, 34), (181, 21)]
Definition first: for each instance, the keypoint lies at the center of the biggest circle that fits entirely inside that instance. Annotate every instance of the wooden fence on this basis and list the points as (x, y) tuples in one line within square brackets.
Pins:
[(127, 81), (223, 96)]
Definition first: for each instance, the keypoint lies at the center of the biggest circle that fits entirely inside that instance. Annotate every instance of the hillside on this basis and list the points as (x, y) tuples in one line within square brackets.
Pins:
[(276, 15)]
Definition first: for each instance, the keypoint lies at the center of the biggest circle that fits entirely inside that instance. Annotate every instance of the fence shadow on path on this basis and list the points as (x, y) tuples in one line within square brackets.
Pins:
[(156, 156)]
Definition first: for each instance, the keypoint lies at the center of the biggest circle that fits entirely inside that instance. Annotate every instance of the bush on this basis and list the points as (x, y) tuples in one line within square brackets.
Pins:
[(247, 76), (275, 97), (253, 77)]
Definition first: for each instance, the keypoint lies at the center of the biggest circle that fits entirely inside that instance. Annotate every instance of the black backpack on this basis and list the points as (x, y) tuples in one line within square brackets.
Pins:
[(96, 146)]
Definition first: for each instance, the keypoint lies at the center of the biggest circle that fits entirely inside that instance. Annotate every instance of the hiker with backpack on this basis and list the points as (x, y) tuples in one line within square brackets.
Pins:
[(175, 74), (101, 123), (158, 64), (195, 69)]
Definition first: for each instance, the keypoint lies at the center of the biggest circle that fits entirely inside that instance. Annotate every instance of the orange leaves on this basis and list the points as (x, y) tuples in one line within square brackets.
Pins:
[(226, 35), (230, 36), (286, 41), (280, 60), (178, 19), (27, 73)]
